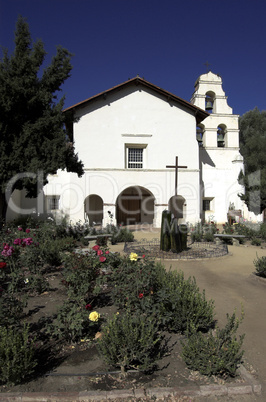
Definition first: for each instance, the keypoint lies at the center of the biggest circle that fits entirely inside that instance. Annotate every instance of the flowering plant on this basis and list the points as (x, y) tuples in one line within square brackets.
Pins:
[(133, 257), (94, 316)]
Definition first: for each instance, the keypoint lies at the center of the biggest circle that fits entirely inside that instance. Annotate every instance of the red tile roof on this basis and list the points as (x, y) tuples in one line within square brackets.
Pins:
[(199, 113)]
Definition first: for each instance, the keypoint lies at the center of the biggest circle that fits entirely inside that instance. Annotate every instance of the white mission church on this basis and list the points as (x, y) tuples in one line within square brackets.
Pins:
[(146, 150)]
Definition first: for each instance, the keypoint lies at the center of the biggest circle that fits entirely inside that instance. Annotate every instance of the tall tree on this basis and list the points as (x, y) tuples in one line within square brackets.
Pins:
[(253, 150), (32, 133)]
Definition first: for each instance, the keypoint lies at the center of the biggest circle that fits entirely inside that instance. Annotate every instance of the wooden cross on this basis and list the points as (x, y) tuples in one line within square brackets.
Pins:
[(176, 171)]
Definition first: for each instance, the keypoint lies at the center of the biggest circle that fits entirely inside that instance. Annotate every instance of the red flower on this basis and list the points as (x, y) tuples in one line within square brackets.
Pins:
[(96, 247), (141, 295), (102, 259), (27, 230), (2, 264), (99, 252), (107, 252), (88, 306), (143, 256)]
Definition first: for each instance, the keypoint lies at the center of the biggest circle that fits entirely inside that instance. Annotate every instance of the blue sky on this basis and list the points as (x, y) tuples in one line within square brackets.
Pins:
[(165, 41)]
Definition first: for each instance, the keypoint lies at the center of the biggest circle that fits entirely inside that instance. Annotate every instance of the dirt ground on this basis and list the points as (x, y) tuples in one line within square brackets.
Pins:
[(228, 280), (231, 283)]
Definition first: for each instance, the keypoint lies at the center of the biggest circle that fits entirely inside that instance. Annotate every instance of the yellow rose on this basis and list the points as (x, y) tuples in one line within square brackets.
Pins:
[(133, 257), (94, 316)]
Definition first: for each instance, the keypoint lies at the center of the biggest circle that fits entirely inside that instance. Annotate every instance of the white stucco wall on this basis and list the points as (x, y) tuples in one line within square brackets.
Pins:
[(104, 130), (135, 117)]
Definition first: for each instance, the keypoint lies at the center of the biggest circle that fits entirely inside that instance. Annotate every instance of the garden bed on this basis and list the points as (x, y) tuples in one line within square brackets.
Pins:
[(99, 320), (72, 367)]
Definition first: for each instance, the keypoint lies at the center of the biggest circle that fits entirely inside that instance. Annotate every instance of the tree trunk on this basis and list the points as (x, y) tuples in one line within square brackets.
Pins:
[(3, 209)]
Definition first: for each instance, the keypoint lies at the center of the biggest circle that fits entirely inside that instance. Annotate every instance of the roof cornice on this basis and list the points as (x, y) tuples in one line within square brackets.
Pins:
[(199, 113)]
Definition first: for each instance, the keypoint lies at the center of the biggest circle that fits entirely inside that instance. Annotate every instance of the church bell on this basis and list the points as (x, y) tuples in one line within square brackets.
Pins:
[(209, 105)]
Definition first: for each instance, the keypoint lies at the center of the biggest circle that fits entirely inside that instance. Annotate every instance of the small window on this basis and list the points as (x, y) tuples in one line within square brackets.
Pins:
[(135, 157), (207, 204), (52, 202)]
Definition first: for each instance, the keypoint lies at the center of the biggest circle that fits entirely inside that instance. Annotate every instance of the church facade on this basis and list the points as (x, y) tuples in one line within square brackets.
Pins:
[(146, 150)]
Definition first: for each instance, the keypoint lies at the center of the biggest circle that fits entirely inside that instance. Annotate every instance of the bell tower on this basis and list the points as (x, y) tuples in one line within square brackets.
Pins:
[(219, 157), (221, 127)]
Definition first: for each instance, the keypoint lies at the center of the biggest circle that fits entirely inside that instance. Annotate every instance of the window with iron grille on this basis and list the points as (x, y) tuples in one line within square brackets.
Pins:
[(52, 203), (207, 204), (135, 158)]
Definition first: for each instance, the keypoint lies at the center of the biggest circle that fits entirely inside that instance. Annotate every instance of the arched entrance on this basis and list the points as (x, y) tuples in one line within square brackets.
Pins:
[(135, 205), (93, 209), (177, 206)]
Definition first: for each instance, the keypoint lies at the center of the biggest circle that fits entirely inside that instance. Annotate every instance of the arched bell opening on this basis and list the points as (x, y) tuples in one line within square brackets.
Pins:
[(135, 205), (199, 134), (221, 135), (93, 209), (210, 102)]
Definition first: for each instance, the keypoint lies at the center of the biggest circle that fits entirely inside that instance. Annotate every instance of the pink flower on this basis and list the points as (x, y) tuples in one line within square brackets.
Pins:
[(8, 251), (96, 247), (102, 259), (143, 256), (17, 241), (99, 252), (107, 252), (27, 230), (19, 228), (28, 241)]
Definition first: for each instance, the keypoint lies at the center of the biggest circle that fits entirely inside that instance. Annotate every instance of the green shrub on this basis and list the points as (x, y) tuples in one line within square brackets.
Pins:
[(182, 305), (79, 273), (228, 229), (208, 236), (215, 353), (250, 230), (263, 231), (209, 227), (256, 242), (72, 322), (17, 355), (11, 308), (123, 235), (31, 258), (132, 281), (36, 284), (51, 249), (131, 341), (260, 264), (195, 237), (196, 232), (102, 241)]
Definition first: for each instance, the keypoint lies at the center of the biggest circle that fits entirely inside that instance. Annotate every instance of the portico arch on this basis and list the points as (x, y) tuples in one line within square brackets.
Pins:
[(93, 209), (135, 205)]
